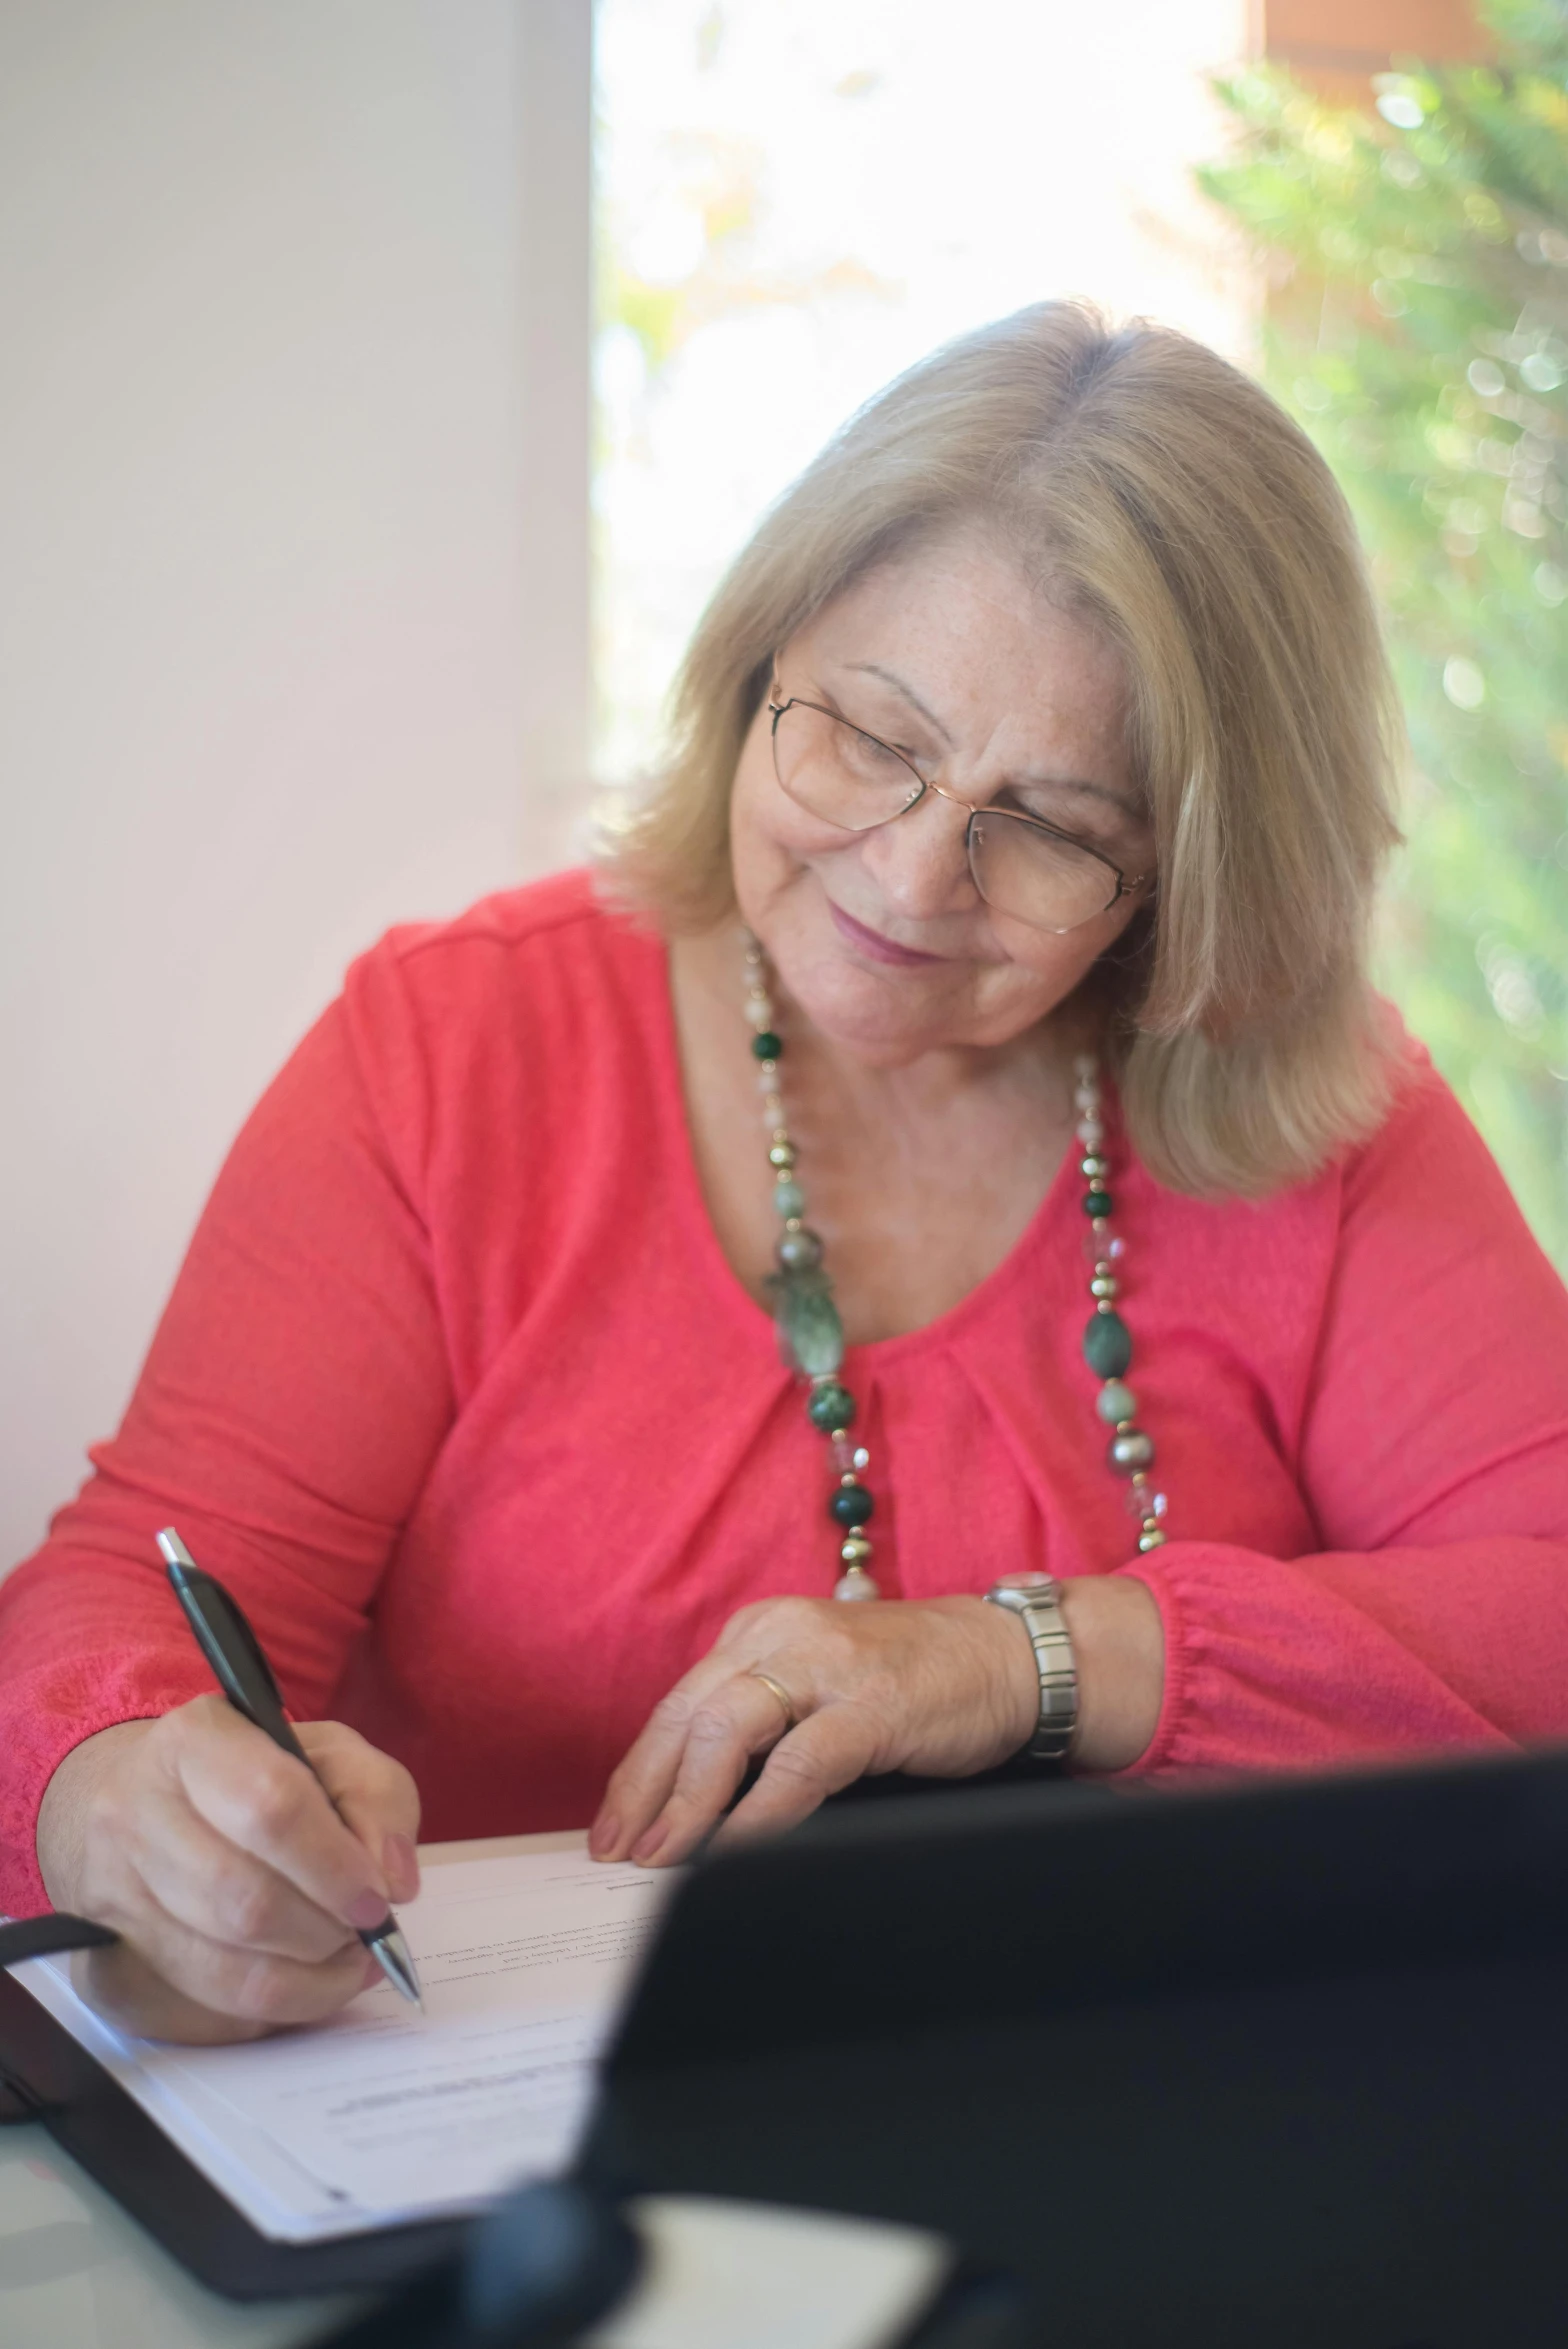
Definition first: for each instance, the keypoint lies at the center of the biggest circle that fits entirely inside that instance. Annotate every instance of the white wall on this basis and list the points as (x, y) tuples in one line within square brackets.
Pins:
[(290, 632)]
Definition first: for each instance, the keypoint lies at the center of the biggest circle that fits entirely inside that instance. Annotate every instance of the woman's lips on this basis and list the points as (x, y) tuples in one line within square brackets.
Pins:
[(872, 942)]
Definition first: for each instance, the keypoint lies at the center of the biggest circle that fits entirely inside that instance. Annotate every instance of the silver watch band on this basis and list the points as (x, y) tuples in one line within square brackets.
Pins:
[(1034, 1598)]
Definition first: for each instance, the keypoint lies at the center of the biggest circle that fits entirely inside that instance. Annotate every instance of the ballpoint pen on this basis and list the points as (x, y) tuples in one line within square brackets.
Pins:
[(246, 1679)]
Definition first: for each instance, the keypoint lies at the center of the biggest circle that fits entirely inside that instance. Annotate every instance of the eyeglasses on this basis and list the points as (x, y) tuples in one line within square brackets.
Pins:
[(1019, 864)]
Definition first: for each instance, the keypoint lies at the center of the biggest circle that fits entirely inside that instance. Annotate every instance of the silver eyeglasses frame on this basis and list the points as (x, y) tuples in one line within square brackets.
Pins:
[(1125, 884)]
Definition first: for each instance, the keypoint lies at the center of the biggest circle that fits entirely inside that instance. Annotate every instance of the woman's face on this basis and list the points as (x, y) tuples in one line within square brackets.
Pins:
[(951, 656)]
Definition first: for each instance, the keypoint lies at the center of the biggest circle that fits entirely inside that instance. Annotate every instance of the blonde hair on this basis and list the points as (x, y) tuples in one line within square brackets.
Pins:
[(1152, 488)]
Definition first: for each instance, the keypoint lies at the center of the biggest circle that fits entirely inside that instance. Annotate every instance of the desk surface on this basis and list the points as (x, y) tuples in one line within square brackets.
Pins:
[(76, 2273)]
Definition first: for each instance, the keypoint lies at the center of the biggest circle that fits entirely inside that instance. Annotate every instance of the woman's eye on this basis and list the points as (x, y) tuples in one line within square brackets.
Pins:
[(875, 753), (1070, 822)]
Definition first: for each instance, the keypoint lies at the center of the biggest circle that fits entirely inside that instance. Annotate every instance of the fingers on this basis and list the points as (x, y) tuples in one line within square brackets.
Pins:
[(265, 1802), (684, 1768), (174, 1984), (738, 1719), (201, 1881), (375, 1797), (824, 1755), (220, 1860)]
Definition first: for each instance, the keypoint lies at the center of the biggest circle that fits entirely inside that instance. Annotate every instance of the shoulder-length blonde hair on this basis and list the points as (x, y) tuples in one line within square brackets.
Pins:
[(1159, 493)]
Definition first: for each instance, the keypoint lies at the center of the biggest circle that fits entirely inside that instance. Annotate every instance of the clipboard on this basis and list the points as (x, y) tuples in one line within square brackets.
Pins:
[(47, 2076)]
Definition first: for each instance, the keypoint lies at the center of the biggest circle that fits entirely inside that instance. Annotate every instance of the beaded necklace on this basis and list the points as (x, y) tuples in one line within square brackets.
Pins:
[(811, 1335)]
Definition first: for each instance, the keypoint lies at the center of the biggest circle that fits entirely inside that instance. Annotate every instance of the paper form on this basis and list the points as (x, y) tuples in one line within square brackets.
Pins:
[(382, 2114)]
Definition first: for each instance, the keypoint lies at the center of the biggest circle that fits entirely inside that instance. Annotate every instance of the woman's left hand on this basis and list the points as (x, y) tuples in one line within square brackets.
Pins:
[(943, 1687)]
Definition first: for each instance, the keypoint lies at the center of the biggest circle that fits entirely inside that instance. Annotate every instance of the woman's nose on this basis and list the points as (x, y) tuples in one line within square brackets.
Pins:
[(919, 861)]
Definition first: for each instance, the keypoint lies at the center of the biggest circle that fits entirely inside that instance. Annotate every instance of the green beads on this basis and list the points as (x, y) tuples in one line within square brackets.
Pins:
[(766, 1045), (788, 1198), (830, 1407), (851, 1506), (1107, 1345), (810, 1331), (1097, 1204)]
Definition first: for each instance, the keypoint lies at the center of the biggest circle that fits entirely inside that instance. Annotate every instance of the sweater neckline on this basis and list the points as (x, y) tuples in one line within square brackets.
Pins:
[(1038, 1236)]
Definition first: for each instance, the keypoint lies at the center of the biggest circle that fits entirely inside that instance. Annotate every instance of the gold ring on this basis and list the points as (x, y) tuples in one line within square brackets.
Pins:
[(775, 1689)]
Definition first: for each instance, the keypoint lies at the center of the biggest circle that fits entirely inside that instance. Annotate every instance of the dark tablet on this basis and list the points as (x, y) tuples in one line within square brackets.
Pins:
[(1285, 2064)]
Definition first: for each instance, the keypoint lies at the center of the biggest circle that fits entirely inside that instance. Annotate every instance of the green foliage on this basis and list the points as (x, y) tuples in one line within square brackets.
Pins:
[(1419, 330)]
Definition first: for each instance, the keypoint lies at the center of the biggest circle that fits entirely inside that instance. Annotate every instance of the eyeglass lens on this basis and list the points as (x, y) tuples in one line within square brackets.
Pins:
[(849, 779)]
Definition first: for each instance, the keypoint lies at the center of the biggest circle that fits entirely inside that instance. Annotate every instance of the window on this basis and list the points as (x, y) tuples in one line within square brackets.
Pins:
[(794, 203)]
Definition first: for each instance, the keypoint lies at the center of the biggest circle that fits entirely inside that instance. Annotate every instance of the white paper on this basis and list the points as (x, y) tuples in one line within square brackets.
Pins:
[(383, 2114)]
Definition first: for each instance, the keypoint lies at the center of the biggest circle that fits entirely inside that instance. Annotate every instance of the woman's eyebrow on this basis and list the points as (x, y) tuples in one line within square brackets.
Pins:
[(1103, 791), (1116, 799)]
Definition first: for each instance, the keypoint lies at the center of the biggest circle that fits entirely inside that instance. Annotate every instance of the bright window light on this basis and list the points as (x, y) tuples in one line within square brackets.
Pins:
[(795, 202)]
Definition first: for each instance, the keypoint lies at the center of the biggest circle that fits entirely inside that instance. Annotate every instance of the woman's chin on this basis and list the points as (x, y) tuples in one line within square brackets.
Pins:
[(883, 1016)]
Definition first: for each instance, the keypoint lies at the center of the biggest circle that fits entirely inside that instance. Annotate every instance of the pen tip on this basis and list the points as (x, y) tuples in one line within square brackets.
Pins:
[(396, 1962), (172, 1549)]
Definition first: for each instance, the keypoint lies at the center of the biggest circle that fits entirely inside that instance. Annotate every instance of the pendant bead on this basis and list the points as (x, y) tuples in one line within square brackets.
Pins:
[(800, 1251), (1097, 1205), (1115, 1402), (1107, 1344), (810, 1332), (788, 1199), (767, 1045)]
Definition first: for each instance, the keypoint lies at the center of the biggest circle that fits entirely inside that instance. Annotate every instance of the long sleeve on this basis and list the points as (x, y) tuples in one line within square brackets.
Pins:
[(1433, 1455), (286, 1416)]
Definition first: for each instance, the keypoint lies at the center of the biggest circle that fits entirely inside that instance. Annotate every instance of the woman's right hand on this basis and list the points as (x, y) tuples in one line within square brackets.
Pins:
[(235, 1885)]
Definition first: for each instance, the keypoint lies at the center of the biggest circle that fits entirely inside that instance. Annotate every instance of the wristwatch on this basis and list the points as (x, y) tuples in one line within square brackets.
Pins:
[(1035, 1598)]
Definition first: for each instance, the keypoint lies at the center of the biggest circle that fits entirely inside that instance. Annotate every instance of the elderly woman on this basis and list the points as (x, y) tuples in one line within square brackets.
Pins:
[(976, 1017)]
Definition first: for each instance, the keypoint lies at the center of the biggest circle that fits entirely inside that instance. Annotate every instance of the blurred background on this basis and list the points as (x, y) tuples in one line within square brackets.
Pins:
[(386, 382)]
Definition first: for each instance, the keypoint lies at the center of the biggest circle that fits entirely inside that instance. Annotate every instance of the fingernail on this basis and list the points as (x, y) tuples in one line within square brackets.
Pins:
[(401, 1863), (366, 1909), (652, 1840), (603, 1836)]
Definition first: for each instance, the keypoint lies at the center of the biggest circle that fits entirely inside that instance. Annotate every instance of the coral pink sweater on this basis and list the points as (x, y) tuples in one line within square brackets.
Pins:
[(458, 1394)]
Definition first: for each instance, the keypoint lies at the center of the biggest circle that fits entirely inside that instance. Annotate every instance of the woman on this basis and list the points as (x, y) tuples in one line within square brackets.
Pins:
[(1029, 795)]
